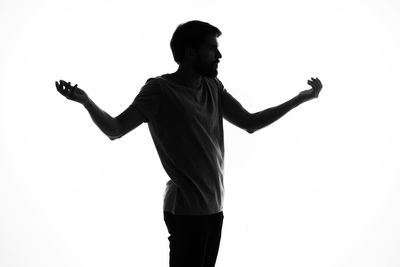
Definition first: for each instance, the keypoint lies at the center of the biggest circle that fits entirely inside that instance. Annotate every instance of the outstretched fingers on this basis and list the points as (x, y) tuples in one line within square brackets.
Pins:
[(319, 84), (316, 85), (60, 87), (65, 88)]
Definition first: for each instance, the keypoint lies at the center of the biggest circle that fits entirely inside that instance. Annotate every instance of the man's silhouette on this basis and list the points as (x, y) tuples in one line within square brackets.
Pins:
[(184, 111)]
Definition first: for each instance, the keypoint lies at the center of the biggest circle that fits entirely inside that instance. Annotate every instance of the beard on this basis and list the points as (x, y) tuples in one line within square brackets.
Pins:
[(206, 70)]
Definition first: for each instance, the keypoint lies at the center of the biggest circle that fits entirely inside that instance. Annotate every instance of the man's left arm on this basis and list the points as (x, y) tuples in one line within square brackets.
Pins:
[(251, 122)]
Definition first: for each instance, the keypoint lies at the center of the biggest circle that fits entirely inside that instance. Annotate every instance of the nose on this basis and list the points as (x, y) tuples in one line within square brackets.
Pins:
[(219, 55)]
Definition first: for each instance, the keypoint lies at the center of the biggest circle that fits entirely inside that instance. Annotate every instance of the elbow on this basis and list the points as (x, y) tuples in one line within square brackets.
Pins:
[(114, 136), (116, 133), (250, 131), (250, 128), (248, 124), (244, 122)]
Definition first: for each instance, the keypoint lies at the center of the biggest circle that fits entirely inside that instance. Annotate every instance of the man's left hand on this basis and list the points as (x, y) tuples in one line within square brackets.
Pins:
[(313, 92)]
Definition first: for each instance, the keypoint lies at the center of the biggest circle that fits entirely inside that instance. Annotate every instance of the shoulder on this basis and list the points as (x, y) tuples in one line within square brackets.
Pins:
[(150, 89), (153, 83), (216, 84), (157, 82)]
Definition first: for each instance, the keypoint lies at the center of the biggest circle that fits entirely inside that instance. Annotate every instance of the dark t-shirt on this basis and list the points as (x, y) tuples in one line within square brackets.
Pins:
[(186, 128)]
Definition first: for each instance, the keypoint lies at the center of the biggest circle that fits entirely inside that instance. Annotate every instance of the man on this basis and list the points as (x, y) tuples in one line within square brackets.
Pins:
[(184, 111)]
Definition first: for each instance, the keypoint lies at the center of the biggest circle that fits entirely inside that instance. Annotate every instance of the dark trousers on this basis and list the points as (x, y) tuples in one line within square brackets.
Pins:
[(194, 240)]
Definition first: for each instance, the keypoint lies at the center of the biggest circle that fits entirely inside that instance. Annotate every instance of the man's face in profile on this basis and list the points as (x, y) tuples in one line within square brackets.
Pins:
[(207, 58)]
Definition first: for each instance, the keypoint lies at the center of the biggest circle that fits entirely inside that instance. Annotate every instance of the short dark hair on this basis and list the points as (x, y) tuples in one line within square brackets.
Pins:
[(190, 35)]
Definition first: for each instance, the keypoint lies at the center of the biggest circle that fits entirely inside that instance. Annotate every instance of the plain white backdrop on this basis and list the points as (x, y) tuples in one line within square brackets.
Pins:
[(320, 187)]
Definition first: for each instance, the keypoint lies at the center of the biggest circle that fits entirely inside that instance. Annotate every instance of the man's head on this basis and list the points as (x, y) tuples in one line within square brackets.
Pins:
[(194, 43)]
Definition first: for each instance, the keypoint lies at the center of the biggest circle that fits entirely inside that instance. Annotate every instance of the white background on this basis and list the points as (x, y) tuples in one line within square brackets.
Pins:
[(317, 188)]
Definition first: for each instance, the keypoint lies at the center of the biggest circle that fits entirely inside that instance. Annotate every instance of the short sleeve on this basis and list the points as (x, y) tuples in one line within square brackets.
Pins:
[(148, 100)]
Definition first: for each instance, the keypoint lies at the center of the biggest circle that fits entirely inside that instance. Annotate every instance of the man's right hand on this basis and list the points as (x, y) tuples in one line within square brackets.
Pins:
[(72, 92)]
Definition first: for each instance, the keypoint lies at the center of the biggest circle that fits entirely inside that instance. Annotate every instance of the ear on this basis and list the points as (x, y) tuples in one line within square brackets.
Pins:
[(190, 53)]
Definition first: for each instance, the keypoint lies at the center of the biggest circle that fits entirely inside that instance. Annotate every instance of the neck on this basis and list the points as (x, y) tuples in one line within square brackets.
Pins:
[(187, 76)]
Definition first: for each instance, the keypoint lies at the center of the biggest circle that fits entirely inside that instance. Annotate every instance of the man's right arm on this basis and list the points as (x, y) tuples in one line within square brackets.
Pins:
[(112, 127)]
